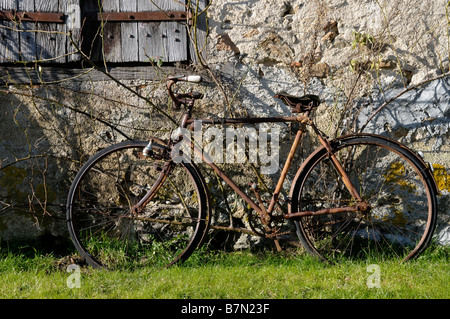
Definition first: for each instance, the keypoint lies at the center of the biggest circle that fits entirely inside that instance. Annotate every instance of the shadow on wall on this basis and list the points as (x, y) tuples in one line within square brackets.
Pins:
[(421, 120), (40, 144), (418, 116), (44, 140), (32, 181)]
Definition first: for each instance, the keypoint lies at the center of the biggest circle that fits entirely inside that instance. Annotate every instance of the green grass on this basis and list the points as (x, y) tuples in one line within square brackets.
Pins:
[(239, 275)]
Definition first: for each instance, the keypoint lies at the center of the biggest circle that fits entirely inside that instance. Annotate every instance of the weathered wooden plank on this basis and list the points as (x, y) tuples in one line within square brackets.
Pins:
[(72, 10), (27, 40), (166, 40), (176, 40), (149, 39), (50, 42), (198, 32), (129, 33), (9, 39), (112, 50), (61, 75)]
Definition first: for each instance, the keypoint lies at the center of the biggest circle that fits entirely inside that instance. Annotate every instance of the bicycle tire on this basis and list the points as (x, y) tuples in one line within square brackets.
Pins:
[(397, 184), (105, 229)]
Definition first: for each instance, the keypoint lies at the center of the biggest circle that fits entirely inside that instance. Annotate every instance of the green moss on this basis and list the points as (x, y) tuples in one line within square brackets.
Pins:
[(396, 174), (442, 178), (45, 194), (399, 219), (11, 180)]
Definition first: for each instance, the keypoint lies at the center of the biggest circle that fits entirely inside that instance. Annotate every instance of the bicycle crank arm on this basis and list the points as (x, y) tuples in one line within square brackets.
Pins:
[(327, 211), (161, 221)]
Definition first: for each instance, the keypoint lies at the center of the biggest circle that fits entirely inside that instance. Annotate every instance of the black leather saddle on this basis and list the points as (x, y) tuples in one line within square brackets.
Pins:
[(299, 104)]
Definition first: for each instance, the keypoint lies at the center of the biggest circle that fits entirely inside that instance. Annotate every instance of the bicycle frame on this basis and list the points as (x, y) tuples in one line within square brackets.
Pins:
[(265, 213), (262, 211), (101, 204)]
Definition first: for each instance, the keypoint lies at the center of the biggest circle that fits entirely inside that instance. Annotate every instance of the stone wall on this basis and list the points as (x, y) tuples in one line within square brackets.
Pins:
[(357, 55)]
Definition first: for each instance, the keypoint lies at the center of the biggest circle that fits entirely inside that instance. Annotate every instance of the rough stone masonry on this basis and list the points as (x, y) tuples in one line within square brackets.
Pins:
[(361, 57)]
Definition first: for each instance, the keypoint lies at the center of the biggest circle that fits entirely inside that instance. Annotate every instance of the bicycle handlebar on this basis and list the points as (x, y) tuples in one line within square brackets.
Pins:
[(183, 98)]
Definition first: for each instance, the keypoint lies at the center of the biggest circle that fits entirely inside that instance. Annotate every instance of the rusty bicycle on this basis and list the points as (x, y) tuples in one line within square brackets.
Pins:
[(356, 196)]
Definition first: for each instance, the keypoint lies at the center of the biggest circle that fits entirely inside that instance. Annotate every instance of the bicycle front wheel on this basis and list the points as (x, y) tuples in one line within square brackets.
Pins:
[(395, 183), (108, 230)]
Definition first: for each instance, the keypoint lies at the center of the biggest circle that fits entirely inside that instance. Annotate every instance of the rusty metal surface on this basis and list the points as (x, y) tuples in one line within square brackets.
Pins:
[(324, 212), (249, 120), (286, 167), (345, 178), (266, 214), (143, 16), (58, 17), (50, 17)]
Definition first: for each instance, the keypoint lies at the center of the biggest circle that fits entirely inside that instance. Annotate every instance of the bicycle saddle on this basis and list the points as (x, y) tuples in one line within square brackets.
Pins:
[(299, 103)]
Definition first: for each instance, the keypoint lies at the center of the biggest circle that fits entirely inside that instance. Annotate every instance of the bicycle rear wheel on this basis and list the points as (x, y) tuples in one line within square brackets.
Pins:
[(106, 229), (395, 183)]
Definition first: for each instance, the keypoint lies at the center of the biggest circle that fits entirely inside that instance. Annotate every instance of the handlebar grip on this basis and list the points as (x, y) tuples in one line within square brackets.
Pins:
[(188, 78), (193, 78)]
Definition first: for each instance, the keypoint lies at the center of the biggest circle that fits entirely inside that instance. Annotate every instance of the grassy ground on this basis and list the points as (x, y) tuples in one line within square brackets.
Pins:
[(228, 276)]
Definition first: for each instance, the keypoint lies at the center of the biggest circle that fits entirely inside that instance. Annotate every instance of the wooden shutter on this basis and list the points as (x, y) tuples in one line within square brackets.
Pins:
[(136, 37), (49, 45), (167, 40), (9, 48), (130, 30)]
